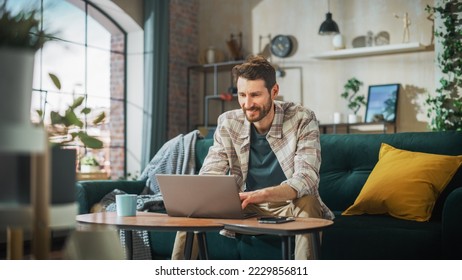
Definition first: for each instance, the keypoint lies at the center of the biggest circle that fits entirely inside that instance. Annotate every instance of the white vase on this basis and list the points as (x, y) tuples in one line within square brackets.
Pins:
[(338, 41), (337, 117), (210, 55)]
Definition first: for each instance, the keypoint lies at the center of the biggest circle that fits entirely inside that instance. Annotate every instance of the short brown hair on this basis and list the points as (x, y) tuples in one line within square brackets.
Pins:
[(256, 68)]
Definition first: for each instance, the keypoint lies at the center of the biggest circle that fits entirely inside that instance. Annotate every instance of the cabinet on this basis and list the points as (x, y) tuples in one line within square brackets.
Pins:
[(216, 78)]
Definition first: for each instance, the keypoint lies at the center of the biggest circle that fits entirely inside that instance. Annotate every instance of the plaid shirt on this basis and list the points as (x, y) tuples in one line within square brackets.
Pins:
[(293, 137)]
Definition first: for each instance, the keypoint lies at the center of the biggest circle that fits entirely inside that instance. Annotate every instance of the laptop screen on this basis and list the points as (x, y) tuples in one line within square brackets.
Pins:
[(382, 103)]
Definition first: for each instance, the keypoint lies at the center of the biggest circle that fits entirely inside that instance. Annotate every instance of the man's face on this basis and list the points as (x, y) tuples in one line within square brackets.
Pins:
[(254, 98)]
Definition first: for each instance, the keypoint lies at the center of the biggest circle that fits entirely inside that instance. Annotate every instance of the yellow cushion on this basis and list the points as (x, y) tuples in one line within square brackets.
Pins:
[(405, 184)]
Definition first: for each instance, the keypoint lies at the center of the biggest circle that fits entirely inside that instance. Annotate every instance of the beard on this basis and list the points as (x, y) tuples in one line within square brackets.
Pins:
[(257, 113)]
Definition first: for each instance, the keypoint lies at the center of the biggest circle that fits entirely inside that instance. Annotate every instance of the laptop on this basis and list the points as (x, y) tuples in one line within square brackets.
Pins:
[(201, 196)]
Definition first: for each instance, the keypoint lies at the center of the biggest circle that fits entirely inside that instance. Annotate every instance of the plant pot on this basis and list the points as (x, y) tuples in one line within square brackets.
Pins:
[(63, 175), (16, 75), (352, 118), (17, 176), (89, 168)]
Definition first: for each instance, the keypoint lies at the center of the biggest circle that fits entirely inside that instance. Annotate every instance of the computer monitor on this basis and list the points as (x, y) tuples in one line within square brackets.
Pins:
[(382, 103)]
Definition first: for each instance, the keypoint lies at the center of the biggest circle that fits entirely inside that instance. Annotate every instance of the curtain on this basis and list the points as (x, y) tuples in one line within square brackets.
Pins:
[(156, 46)]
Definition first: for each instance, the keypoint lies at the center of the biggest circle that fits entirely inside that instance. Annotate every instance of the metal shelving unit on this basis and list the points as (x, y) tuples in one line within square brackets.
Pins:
[(207, 70)]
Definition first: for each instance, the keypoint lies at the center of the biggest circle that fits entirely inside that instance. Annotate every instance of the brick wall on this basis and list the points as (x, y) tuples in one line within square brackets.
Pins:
[(116, 119), (184, 41)]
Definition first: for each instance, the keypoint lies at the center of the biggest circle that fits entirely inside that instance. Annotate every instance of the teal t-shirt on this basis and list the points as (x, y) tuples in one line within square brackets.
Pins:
[(264, 168)]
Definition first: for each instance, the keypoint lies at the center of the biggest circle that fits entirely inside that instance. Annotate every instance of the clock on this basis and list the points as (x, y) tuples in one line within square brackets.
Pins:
[(282, 45)]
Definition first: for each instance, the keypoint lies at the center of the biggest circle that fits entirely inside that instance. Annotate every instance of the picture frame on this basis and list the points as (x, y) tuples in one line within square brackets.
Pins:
[(382, 103)]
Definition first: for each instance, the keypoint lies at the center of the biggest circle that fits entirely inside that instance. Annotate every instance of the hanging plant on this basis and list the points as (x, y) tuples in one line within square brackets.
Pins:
[(444, 109)]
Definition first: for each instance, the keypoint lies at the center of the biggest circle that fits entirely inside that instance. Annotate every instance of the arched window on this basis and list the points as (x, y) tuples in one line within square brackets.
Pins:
[(88, 54)]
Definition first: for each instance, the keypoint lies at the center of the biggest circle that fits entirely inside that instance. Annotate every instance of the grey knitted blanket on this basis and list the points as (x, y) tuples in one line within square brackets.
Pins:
[(177, 156)]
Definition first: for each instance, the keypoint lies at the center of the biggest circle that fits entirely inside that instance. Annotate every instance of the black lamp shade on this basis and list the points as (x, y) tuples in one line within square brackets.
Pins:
[(328, 27)]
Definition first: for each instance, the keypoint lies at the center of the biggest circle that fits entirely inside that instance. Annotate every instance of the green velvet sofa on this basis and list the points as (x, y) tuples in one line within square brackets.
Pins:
[(347, 161)]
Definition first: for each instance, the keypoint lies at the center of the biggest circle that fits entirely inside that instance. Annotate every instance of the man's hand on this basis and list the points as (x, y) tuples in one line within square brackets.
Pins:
[(270, 194), (252, 197)]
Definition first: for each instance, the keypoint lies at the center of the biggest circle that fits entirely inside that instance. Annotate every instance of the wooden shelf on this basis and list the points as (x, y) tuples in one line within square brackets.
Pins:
[(377, 50), (382, 127), (100, 175)]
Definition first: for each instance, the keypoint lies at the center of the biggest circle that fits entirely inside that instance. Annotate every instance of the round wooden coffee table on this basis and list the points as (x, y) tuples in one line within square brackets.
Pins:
[(157, 222)]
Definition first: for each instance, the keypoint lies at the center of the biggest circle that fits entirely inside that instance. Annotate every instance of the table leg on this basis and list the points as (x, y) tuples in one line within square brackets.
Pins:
[(188, 245), (316, 245), (290, 239), (288, 250), (202, 242), (128, 236), (285, 247)]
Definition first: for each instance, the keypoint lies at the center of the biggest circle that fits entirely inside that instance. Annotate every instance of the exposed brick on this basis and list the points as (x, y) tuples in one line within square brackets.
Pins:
[(116, 125), (184, 41)]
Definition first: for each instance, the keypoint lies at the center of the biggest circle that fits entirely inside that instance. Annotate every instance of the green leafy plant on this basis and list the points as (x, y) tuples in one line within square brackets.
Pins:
[(67, 127), (89, 160), (444, 109), (350, 93), (21, 30)]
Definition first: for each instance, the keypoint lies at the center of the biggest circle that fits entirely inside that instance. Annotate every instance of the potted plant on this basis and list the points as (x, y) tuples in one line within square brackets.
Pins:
[(63, 129), (69, 126), (20, 38), (355, 100), (89, 164), (444, 109)]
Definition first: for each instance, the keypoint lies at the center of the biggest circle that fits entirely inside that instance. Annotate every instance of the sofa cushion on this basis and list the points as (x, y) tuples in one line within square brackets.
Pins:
[(202, 149), (405, 184)]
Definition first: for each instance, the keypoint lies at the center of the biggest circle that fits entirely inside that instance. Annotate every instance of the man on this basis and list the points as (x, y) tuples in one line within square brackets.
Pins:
[(273, 150)]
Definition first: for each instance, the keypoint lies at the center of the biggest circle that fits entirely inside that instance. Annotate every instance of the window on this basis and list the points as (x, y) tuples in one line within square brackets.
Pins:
[(87, 53)]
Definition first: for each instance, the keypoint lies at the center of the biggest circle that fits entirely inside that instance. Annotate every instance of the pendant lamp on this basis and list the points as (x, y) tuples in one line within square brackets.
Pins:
[(328, 27)]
